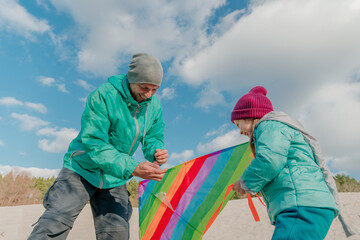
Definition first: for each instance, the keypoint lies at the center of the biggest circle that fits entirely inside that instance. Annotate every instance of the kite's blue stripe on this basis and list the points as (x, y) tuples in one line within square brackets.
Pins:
[(146, 193)]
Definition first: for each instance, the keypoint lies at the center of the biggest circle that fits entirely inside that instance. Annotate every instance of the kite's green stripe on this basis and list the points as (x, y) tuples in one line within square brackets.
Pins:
[(152, 204), (208, 206), (244, 162)]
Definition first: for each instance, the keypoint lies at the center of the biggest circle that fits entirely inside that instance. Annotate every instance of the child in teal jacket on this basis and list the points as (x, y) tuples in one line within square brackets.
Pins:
[(288, 170)]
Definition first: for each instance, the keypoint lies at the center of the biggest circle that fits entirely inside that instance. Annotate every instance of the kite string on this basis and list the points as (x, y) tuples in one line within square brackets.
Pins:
[(252, 208), (260, 200)]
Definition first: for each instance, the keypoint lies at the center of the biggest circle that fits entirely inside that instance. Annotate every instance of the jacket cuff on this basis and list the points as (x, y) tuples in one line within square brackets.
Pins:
[(130, 169), (243, 186), (151, 156)]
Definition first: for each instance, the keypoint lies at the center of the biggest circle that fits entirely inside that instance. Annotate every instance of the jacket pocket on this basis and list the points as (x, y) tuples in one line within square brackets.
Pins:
[(83, 159), (64, 174), (122, 144)]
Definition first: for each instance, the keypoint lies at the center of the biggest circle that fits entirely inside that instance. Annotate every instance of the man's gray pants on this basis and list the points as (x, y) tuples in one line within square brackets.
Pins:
[(66, 198)]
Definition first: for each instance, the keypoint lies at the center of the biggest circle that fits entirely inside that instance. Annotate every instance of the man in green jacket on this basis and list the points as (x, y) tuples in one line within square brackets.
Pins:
[(118, 116)]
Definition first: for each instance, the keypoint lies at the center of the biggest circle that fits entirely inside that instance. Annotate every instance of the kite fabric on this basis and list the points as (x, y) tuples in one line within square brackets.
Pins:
[(185, 203)]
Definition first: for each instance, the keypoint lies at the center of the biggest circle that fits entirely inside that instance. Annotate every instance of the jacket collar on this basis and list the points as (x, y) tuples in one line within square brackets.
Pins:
[(282, 117), (121, 83)]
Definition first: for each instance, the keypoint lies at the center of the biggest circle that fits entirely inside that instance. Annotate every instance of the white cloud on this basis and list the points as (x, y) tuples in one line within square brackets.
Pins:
[(178, 118), (85, 85), (23, 153), (179, 158), (43, 3), (183, 156), (28, 122), (305, 52), (226, 24), (330, 116), (290, 47), (221, 130), (2, 143), (38, 107), (208, 97), (14, 18), (169, 27), (331, 113), (348, 164), (51, 82), (166, 93), (82, 100), (62, 88), (34, 172), (46, 81), (60, 139), (10, 101), (226, 140)]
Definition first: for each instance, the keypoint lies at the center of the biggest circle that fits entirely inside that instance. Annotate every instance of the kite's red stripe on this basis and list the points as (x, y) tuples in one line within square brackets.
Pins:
[(190, 176), (212, 219)]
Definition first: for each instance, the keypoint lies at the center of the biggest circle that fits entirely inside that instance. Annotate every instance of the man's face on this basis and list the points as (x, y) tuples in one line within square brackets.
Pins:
[(142, 91)]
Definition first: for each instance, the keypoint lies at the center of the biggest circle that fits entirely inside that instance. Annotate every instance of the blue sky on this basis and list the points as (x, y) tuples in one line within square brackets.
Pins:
[(54, 53)]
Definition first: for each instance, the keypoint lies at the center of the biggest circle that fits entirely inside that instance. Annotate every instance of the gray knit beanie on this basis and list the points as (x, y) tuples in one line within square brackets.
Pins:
[(145, 68)]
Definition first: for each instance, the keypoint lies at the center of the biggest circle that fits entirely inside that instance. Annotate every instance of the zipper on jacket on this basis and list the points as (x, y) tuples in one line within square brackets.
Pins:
[(144, 135), (264, 196), (137, 129), (101, 179), (79, 152)]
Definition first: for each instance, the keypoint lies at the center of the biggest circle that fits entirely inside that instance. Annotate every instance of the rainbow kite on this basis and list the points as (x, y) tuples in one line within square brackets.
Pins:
[(185, 203)]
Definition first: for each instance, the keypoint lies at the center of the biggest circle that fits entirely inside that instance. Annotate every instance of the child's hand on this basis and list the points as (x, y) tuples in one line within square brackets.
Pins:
[(237, 187)]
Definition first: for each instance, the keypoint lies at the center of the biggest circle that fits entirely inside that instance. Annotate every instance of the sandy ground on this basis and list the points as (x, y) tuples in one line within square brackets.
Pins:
[(234, 222)]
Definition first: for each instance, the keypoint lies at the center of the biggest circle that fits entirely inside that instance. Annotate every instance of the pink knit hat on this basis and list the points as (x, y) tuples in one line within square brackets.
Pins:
[(254, 104)]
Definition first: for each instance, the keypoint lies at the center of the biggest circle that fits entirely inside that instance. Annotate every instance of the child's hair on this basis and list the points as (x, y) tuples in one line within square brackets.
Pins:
[(252, 144), (252, 105)]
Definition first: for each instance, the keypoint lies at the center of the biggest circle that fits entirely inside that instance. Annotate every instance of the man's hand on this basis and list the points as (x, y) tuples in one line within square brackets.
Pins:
[(161, 156), (237, 187), (148, 170)]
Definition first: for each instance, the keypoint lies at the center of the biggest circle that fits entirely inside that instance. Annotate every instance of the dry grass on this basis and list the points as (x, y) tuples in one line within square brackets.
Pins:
[(133, 188), (18, 189), (21, 189), (346, 184)]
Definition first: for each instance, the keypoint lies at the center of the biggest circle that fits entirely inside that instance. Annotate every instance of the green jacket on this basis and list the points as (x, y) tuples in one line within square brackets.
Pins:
[(285, 170), (112, 126)]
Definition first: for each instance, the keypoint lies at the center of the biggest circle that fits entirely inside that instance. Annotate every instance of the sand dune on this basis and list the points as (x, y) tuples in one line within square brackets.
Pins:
[(234, 222)]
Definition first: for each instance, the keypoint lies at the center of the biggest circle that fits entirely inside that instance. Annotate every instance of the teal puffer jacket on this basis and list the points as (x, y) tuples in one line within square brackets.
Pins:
[(112, 126), (285, 172)]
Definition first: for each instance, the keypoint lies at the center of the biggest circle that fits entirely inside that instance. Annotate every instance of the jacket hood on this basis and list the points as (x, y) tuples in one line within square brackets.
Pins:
[(121, 83)]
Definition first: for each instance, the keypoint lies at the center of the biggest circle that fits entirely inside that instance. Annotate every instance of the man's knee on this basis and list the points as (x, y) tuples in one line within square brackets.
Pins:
[(109, 235), (51, 226), (112, 226)]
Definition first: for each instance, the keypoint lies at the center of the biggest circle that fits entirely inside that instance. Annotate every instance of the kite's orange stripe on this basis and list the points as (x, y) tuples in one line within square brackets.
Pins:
[(252, 208), (162, 208), (212, 219)]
